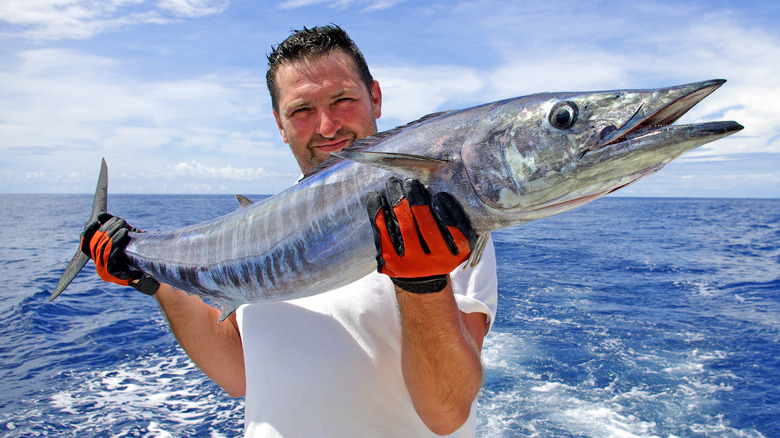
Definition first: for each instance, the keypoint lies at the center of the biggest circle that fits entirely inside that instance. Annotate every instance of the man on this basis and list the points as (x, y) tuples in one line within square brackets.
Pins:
[(389, 355)]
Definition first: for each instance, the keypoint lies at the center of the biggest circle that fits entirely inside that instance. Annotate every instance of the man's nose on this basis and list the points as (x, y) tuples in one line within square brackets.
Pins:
[(329, 124)]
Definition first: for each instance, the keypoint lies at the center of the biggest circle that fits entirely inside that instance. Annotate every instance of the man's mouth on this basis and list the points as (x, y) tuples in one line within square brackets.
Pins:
[(333, 146)]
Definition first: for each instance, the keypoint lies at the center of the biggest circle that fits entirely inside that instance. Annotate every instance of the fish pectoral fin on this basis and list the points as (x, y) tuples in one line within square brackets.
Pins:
[(476, 252), (416, 166), (226, 311), (243, 201)]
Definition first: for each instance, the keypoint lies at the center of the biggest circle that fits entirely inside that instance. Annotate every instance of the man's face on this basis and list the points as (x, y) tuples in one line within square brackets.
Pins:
[(324, 107)]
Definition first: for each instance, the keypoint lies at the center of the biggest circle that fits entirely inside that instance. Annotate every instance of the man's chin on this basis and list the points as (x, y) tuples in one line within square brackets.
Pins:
[(318, 158)]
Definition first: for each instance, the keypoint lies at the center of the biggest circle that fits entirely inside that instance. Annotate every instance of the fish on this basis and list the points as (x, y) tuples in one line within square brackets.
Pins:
[(507, 162)]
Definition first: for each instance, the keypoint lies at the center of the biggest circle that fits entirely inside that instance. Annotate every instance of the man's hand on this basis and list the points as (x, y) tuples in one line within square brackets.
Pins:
[(215, 348), (104, 241), (419, 239)]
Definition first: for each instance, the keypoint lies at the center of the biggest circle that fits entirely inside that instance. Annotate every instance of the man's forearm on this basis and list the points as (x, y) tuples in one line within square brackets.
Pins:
[(214, 347), (440, 357)]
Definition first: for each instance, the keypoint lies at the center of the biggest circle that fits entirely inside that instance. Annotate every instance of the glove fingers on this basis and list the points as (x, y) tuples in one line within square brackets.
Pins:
[(106, 246), (451, 215), (104, 241), (411, 240), (406, 196), (93, 237), (418, 238), (416, 193), (106, 260), (119, 235), (394, 222), (435, 232), (112, 265), (89, 231), (433, 238), (386, 249), (104, 217), (374, 207), (113, 225), (101, 242), (116, 263), (100, 246), (387, 234)]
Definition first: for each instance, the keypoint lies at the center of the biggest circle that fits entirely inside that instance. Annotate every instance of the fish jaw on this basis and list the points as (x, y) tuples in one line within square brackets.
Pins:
[(641, 154), (654, 109)]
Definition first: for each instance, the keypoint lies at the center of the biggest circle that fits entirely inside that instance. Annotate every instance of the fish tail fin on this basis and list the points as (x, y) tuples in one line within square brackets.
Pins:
[(80, 259)]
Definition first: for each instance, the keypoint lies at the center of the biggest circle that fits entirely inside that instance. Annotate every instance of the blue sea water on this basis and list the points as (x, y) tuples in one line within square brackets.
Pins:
[(623, 318)]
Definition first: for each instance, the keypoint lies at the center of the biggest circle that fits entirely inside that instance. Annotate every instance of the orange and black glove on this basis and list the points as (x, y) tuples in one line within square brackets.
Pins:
[(419, 239), (104, 241)]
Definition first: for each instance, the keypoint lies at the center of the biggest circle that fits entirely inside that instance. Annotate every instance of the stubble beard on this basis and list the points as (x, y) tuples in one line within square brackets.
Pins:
[(317, 157)]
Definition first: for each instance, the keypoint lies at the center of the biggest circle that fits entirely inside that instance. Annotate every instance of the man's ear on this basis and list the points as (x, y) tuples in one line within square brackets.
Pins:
[(279, 125), (376, 98)]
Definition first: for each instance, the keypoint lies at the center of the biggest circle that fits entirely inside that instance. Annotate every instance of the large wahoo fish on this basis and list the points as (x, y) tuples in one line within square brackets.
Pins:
[(507, 162)]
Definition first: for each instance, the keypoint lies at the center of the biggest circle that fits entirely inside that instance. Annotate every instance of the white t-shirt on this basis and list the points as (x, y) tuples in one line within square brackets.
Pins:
[(329, 365)]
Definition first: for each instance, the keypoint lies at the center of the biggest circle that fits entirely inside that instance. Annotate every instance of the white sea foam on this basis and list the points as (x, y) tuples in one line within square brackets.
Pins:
[(673, 395), (154, 396)]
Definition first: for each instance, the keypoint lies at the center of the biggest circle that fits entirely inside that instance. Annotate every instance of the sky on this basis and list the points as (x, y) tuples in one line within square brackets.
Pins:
[(172, 92)]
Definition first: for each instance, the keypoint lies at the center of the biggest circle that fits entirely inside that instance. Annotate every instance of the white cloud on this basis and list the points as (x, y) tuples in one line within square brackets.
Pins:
[(692, 157), (412, 92), (197, 170), (370, 5), (35, 175), (566, 71), (378, 5), (194, 8), (81, 19), (63, 87), (63, 110)]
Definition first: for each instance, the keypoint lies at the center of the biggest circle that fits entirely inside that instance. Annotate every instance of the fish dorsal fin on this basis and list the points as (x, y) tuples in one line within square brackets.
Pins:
[(243, 201), (367, 142), (479, 248)]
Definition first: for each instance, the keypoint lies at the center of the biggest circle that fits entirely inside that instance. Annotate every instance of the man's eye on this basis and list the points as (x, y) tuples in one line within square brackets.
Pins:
[(299, 111)]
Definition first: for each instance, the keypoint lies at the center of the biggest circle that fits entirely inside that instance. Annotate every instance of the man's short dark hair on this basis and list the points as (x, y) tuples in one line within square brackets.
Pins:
[(306, 44)]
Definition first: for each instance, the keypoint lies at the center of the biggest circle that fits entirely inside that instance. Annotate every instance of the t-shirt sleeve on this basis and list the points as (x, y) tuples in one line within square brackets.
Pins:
[(476, 289)]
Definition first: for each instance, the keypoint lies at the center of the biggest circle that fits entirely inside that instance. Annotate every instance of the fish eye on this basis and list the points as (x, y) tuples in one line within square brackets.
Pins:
[(564, 114)]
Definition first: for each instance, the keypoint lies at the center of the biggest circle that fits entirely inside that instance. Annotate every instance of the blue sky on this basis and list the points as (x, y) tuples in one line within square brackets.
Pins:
[(172, 92)]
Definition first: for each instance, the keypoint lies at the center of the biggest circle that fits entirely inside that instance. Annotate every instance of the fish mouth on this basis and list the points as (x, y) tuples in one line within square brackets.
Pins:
[(656, 114), (645, 143), (649, 139), (657, 145)]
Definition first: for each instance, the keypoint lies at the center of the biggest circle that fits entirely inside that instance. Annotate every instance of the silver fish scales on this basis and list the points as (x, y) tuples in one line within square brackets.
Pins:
[(507, 162)]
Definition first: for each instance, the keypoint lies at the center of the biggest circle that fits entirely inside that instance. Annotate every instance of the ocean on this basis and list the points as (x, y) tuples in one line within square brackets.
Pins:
[(628, 317)]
